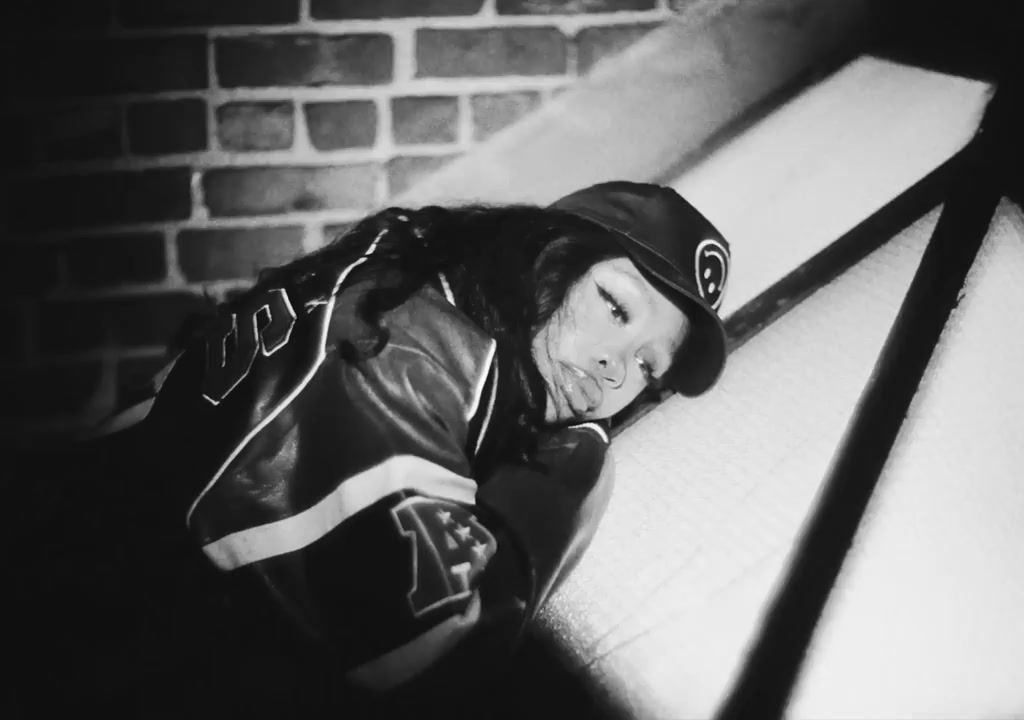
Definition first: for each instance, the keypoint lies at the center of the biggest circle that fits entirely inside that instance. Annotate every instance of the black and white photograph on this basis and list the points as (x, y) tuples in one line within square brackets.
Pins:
[(512, 359)]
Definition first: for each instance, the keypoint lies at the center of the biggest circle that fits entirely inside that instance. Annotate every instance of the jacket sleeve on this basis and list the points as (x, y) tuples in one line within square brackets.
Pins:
[(527, 528), (554, 509), (542, 521), (458, 577), (354, 510)]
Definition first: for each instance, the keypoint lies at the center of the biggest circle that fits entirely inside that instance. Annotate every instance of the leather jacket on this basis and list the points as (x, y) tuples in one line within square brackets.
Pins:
[(346, 492)]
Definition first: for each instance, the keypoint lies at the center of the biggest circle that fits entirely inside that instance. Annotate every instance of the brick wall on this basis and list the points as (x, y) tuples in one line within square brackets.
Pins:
[(162, 150)]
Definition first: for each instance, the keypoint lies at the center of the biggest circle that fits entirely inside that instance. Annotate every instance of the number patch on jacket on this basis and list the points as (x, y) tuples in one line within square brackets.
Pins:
[(450, 548), (264, 325)]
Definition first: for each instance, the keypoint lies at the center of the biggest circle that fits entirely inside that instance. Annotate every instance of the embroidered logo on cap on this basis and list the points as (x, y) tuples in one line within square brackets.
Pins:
[(711, 264)]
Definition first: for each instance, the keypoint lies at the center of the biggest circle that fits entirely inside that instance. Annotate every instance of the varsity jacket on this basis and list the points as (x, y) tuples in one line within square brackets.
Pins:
[(348, 493)]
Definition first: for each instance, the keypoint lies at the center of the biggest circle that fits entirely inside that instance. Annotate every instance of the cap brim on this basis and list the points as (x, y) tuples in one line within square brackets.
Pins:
[(701, 359)]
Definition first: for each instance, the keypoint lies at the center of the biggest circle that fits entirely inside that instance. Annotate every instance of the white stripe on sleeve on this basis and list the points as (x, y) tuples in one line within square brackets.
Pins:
[(402, 472)]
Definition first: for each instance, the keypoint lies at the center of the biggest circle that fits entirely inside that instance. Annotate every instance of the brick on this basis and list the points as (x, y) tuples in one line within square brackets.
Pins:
[(185, 13), (406, 171), (116, 259), (570, 7), (15, 345), (28, 270), (371, 9), (425, 119), (252, 126), (69, 201), (300, 60), (492, 112), (91, 66), (34, 393), (133, 321), (270, 190), (21, 17), (490, 52), (596, 43), (337, 125), (76, 133), (163, 127), (221, 254)]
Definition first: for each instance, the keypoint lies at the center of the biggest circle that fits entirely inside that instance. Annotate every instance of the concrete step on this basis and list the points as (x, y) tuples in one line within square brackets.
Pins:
[(711, 492), (926, 613), (826, 160)]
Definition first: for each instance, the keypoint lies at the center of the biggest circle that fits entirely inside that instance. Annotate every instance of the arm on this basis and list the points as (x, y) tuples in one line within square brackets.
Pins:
[(351, 507), (544, 522), (467, 573), (555, 512), (527, 527)]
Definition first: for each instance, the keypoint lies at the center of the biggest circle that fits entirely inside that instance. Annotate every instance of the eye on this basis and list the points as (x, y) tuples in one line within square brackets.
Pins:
[(616, 308), (646, 369)]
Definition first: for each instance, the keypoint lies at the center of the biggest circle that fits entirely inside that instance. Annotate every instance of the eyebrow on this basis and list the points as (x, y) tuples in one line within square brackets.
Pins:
[(650, 291)]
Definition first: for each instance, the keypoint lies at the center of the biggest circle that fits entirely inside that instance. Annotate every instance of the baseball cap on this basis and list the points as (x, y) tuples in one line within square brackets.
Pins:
[(672, 241)]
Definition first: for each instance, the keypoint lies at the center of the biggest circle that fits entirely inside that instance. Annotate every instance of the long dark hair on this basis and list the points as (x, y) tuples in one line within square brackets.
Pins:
[(509, 267)]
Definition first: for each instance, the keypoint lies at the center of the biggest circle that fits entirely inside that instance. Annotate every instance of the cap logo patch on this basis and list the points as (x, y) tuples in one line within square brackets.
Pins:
[(711, 264)]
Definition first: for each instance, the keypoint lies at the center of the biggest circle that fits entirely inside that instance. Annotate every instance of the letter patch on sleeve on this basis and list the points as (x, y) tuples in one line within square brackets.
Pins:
[(449, 549), (263, 325)]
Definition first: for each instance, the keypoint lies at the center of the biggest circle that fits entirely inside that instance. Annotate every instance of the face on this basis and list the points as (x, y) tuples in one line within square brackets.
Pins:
[(614, 336)]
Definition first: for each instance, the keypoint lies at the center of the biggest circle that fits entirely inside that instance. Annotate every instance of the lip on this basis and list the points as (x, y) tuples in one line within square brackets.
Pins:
[(580, 390)]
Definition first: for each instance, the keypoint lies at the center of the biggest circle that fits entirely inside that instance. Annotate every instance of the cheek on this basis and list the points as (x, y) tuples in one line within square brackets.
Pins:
[(552, 344), (542, 350), (617, 400), (588, 330), (562, 335)]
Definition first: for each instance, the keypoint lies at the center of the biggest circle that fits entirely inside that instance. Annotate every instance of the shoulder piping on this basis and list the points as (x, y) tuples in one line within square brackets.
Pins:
[(490, 401), (321, 356), (446, 287), (596, 428)]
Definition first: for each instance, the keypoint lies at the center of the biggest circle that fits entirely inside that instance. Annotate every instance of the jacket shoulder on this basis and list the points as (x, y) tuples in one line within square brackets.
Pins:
[(427, 325)]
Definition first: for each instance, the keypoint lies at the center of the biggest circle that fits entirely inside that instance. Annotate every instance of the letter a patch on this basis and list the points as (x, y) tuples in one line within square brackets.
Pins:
[(450, 548)]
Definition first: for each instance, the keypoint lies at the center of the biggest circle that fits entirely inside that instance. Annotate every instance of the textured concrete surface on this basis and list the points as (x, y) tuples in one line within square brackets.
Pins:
[(926, 618), (826, 160), (712, 492)]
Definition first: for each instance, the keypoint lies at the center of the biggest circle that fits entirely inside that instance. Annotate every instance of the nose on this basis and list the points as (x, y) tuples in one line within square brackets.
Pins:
[(612, 371)]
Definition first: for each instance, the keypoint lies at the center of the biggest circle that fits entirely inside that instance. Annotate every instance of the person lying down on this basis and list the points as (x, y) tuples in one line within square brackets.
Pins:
[(373, 468)]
